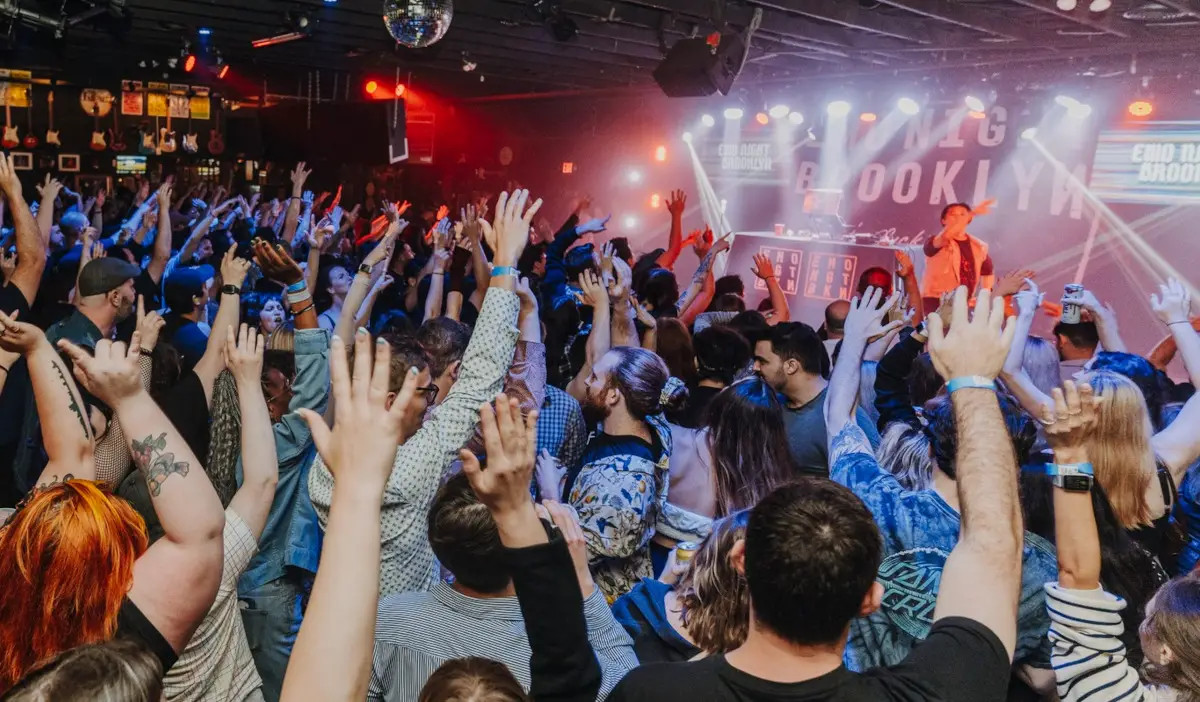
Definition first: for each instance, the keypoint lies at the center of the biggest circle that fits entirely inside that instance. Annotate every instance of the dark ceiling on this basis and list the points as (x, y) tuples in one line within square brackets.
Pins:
[(618, 41)]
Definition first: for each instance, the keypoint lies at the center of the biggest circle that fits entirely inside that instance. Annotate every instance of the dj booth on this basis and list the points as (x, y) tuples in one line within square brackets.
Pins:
[(812, 272)]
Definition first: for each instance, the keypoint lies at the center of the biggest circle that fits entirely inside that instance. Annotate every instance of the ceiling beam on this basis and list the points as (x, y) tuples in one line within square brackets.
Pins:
[(1186, 6), (972, 17), (1108, 23)]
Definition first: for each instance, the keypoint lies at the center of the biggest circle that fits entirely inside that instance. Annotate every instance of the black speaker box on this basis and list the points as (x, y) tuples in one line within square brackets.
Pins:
[(693, 69)]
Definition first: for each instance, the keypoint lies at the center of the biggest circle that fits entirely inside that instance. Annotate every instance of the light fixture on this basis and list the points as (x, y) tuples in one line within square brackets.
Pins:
[(868, 117), (733, 113), (1029, 133), (838, 108), (278, 39), (331, 2), (976, 114), (973, 103), (467, 64), (634, 176), (1065, 101), (1066, 5), (660, 153), (687, 137), (908, 106), (779, 111), (630, 221), (1141, 108), (189, 62), (371, 87), (762, 118), (204, 31), (223, 72), (400, 90), (1079, 111), (1100, 5), (655, 201), (796, 118), (708, 120)]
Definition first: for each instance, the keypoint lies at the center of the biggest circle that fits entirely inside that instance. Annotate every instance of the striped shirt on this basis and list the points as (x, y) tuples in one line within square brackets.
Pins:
[(415, 632), (1089, 658)]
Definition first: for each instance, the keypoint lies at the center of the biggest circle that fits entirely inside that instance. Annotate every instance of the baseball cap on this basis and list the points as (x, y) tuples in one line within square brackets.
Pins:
[(104, 275), (186, 283)]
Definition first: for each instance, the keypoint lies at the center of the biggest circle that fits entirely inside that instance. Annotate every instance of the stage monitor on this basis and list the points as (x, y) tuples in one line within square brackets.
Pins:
[(1156, 163), (131, 165), (693, 69)]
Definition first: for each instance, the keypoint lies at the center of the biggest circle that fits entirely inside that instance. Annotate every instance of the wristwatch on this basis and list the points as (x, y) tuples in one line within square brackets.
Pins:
[(365, 268), (230, 290), (1072, 477)]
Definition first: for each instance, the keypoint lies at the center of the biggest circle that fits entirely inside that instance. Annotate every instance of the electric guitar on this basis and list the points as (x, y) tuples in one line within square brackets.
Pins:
[(51, 133), (97, 143), (10, 140), (166, 137), (190, 143), (30, 141), (115, 140), (148, 145), (216, 142)]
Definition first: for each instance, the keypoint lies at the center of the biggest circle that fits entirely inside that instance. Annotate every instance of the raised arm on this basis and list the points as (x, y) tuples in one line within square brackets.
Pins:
[(766, 273), (233, 275), (299, 175), (864, 321), (332, 657), (176, 579), (1106, 322), (31, 248), (162, 236), (676, 205), (66, 431), (908, 274), (981, 580), (1178, 444), (1034, 401), (260, 467), (433, 300), (1174, 308), (48, 191), (600, 338), (704, 269)]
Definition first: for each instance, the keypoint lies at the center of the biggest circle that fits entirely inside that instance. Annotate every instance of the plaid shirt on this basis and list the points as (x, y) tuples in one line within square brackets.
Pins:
[(560, 428)]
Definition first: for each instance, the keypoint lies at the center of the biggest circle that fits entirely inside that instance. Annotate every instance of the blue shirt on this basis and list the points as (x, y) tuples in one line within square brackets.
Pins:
[(291, 536), (919, 530)]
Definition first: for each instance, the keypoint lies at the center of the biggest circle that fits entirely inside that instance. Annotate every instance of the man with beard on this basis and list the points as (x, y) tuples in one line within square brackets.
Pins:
[(106, 297), (620, 488)]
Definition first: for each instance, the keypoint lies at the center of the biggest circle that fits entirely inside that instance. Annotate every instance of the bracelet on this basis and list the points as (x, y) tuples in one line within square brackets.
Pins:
[(145, 351), (299, 312), (1182, 321), (297, 286), (230, 290), (970, 381), (503, 270), (297, 298), (4, 369)]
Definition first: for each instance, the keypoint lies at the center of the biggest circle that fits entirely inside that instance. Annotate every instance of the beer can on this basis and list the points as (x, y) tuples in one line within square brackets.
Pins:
[(1070, 303), (684, 550)]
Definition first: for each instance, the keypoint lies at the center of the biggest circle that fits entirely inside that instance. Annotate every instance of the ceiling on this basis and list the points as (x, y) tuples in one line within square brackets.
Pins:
[(618, 43)]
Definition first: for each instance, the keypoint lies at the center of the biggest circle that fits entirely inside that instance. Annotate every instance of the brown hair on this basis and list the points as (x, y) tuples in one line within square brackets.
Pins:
[(641, 375), (111, 671), (472, 680), (1173, 622), (715, 598), (674, 344)]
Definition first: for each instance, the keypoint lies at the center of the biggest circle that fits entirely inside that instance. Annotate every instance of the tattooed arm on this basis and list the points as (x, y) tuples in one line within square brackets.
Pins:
[(176, 579)]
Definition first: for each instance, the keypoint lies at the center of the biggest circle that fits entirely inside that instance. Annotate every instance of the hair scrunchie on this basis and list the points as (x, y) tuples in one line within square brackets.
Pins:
[(669, 389)]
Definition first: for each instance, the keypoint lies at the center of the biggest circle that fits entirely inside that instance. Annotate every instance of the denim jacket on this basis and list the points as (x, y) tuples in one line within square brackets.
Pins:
[(292, 537)]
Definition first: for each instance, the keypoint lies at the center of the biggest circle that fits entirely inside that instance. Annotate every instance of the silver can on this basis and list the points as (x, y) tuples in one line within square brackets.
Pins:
[(1071, 309), (684, 550)]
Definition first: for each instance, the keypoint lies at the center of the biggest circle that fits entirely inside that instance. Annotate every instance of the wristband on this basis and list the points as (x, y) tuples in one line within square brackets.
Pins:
[(230, 290), (1069, 469), (145, 351), (503, 270), (301, 311), (297, 286), (970, 381), (297, 298), (1182, 321)]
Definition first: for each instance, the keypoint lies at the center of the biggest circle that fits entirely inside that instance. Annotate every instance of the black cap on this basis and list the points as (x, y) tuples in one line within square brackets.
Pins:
[(102, 275)]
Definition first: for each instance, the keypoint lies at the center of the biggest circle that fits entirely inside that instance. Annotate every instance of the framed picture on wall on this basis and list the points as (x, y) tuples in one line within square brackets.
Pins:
[(22, 161), (68, 163)]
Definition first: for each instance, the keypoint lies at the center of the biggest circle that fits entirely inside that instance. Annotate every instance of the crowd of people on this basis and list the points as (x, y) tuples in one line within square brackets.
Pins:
[(287, 450)]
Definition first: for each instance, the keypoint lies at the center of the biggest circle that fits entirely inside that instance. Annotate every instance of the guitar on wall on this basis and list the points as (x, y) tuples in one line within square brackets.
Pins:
[(51, 133), (147, 144), (116, 140), (10, 140), (216, 142), (190, 143), (98, 143), (30, 141), (166, 136)]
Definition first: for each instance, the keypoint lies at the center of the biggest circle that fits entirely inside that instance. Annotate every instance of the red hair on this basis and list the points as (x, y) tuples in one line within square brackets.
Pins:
[(66, 561)]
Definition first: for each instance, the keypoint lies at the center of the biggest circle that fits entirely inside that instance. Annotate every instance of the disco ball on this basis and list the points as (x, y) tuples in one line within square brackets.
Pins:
[(417, 23)]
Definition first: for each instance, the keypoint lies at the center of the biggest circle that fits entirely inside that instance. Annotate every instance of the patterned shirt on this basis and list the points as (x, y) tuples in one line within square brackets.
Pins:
[(216, 665), (415, 632), (560, 428), (406, 559), (919, 530)]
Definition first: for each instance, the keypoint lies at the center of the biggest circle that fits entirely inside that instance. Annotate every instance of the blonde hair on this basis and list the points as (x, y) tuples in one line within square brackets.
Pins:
[(713, 593), (1120, 448), (283, 338)]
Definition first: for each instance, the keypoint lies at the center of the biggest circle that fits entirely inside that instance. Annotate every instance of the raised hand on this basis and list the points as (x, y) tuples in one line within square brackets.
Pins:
[(984, 207), (299, 175), (622, 285), (19, 337), (567, 521), (361, 447), (111, 373), (511, 225), (1069, 423), (510, 443), (1175, 304), (523, 291), (977, 344), (864, 321), (722, 245), (471, 227), (676, 203), (606, 263), (762, 267), (233, 269), (440, 258), (595, 294), (149, 325), (9, 182), (594, 226), (244, 355), (904, 264), (50, 188), (307, 198), (442, 212), (276, 264), (703, 242), (1029, 299), (945, 309)]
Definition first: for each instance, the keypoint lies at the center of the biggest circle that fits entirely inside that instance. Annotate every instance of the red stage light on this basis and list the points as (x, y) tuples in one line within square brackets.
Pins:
[(568, 167), (655, 201), (189, 63), (868, 117), (223, 72), (660, 154), (371, 87), (973, 114), (762, 118), (399, 90), (1141, 108)]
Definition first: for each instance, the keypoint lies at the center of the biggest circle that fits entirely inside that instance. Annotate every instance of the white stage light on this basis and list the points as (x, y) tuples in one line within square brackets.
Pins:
[(908, 106), (1079, 111), (629, 222), (635, 176), (1100, 5), (1066, 5), (1066, 101), (1029, 133), (733, 113), (687, 137), (838, 108), (973, 103), (796, 118), (708, 120), (778, 111)]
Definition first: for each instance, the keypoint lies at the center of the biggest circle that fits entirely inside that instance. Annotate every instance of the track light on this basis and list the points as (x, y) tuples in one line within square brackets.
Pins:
[(868, 117), (973, 103), (838, 108), (708, 120), (779, 111), (687, 137), (1100, 5), (733, 113), (908, 106), (796, 118), (1066, 5), (1141, 108)]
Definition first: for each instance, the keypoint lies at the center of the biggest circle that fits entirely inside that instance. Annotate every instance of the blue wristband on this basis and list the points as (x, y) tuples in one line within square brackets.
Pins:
[(1070, 469), (297, 287), (970, 381), (503, 270)]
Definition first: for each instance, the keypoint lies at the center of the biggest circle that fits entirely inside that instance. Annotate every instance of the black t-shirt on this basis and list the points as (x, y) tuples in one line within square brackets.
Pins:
[(960, 660), (134, 626)]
